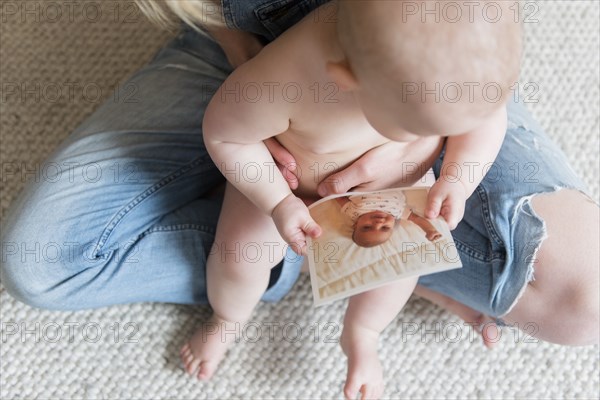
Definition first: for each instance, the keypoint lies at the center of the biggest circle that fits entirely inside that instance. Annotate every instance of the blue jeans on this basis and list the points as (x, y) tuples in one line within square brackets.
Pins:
[(123, 211)]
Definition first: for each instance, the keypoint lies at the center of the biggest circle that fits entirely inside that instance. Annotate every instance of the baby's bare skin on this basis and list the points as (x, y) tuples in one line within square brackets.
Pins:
[(326, 131), (288, 92), (318, 122)]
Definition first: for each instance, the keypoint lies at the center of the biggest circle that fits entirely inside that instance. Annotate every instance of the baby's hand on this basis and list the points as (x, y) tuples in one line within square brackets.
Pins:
[(293, 221), (447, 199)]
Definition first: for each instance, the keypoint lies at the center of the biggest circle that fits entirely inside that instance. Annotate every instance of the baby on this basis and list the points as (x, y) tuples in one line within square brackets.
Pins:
[(374, 216), (329, 89)]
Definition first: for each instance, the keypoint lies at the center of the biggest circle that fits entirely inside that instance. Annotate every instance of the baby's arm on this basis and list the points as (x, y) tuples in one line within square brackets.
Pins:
[(234, 130), (431, 233), (467, 159), (342, 200)]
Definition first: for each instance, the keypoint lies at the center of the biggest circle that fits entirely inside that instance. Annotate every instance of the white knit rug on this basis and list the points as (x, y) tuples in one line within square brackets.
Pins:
[(131, 351)]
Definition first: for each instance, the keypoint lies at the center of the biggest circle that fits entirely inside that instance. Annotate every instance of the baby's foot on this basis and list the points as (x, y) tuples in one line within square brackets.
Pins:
[(365, 374), (206, 348), (433, 235), (482, 323)]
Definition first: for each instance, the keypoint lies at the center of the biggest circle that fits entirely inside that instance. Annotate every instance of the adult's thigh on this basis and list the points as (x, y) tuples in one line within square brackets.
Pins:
[(134, 169)]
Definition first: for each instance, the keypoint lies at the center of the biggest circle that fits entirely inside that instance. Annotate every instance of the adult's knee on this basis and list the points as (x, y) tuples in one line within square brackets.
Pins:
[(38, 253), (566, 317), (26, 264), (585, 312), (573, 322), (24, 288), (567, 284), (25, 279)]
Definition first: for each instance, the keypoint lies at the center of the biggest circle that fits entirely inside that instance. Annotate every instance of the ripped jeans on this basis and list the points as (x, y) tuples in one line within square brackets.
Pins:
[(125, 213)]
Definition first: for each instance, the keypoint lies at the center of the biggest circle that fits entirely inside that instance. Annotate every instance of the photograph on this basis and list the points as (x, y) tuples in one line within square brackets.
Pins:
[(373, 238)]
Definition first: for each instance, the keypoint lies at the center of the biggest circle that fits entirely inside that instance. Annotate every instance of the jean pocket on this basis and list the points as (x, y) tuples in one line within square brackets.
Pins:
[(277, 16)]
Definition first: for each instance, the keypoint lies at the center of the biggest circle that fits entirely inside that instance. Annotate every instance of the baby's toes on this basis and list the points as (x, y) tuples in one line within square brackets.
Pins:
[(371, 391), (206, 371), (374, 391), (352, 388), (191, 364), (189, 361), (363, 391), (185, 350)]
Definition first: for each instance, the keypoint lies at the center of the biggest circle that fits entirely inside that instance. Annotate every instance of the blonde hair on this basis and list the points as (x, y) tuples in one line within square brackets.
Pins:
[(196, 13)]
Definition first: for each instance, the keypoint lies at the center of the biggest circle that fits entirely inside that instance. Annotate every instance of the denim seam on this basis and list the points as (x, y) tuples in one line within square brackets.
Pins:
[(178, 227), (485, 213), (228, 15), (473, 252), (264, 13), (138, 199), (469, 251)]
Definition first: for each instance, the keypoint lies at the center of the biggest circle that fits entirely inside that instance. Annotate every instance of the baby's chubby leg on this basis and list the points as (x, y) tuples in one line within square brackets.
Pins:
[(367, 315), (247, 245)]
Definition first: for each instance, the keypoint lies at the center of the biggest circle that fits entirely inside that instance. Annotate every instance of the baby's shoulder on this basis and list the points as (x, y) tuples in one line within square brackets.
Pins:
[(299, 51), (280, 64)]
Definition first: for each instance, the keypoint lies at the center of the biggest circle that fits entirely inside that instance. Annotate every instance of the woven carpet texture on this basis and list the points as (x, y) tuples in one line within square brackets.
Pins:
[(131, 351)]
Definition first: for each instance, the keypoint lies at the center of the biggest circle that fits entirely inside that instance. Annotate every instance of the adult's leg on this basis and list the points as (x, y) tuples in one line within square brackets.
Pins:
[(121, 214), (564, 299), (528, 242), (561, 304)]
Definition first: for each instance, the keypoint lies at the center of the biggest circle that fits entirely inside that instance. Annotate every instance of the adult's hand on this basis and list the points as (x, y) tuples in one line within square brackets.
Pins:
[(284, 160), (390, 165)]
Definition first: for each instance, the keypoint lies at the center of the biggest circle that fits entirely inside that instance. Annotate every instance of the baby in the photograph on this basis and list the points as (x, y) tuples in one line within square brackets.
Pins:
[(371, 53), (374, 216)]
